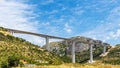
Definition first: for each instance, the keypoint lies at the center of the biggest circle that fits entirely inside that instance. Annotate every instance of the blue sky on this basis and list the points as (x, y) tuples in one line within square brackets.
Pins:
[(97, 19)]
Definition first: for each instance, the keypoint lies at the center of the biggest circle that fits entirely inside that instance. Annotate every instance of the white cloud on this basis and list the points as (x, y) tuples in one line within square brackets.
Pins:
[(108, 1), (45, 24), (14, 15), (117, 34), (18, 15), (45, 2), (109, 29), (34, 39), (119, 24), (67, 28), (77, 10), (100, 5), (51, 12), (55, 40)]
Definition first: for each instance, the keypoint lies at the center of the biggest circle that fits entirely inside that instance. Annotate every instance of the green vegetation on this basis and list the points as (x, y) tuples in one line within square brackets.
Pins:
[(61, 52), (13, 61), (113, 56), (2, 29), (82, 57), (16, 51)]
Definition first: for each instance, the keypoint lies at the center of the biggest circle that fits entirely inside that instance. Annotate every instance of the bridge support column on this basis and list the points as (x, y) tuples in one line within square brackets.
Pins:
[(91, 53), (66, 43), (104, 49), (47, 43), (11, 32), (73, 52)]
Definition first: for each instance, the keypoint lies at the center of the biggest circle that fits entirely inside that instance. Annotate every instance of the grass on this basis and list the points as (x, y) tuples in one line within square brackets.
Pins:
[(77, 66)]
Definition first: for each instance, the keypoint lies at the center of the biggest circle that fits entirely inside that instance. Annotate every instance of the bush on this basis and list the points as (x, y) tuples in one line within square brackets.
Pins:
[(21, 64), (4, 64), (114, 62), (66, 59), (3, 29), (13, 61)]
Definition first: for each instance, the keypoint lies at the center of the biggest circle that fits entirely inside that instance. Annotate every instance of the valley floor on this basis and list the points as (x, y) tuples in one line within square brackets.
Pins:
[(77, 66)]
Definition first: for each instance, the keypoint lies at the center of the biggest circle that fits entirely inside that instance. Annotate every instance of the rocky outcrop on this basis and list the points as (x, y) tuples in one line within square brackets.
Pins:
[(83, 43)]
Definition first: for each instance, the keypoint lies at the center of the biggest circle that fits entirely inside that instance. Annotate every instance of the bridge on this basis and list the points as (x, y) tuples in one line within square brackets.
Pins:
[(36, 34), (47, 37)]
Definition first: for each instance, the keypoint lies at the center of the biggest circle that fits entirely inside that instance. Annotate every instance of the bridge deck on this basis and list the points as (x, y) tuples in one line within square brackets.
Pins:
[(36, 34)]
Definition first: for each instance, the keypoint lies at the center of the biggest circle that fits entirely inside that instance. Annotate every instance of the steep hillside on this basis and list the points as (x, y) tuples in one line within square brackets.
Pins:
[(113, 56), (14, 48)]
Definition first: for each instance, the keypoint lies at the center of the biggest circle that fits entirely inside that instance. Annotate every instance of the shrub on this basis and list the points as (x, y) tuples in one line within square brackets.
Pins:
[(65, 59), (114, 62), (21, 64), (4, 64), (13, 61)]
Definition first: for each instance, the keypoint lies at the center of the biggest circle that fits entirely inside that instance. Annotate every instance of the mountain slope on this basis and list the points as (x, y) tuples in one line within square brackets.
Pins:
[(25, 51), (113, 56)]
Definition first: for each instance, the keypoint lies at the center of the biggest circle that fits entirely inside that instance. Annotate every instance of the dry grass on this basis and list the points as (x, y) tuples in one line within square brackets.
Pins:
[(5, 33), (77, 66)]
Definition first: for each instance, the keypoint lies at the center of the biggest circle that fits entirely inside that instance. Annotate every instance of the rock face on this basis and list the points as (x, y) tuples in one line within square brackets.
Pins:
[(81, 47), (83, 44)]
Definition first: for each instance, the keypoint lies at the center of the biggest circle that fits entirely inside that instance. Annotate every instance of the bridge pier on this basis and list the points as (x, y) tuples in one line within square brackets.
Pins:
[(73, 52), (91, 54), (66, 43), (11, 32), (104, 49), (47, 43), (91, 51)]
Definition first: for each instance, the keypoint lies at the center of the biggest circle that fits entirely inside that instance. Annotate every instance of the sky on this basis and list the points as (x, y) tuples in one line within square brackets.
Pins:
[(96, 19)]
